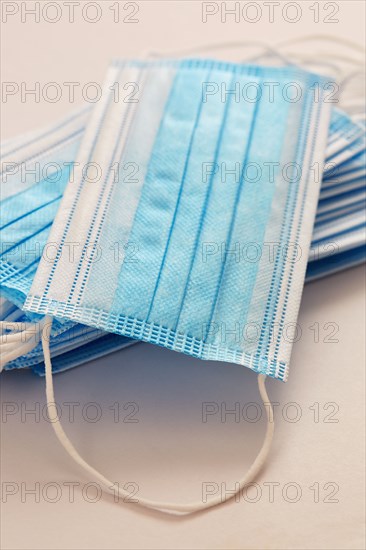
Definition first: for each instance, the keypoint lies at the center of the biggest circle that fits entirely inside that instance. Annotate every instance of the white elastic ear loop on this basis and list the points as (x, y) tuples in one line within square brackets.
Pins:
[(290, 58), (220, 45), (25, 338), (325, 38), (124, 495)]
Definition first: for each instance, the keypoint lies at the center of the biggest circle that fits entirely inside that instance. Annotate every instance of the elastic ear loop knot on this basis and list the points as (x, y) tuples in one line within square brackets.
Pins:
[(188, 508)]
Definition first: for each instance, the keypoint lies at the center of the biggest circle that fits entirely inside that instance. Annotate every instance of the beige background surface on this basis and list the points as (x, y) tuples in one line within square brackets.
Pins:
[(316, 464)]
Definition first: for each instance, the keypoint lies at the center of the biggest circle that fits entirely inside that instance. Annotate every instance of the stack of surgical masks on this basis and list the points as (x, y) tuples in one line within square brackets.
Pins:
[(162, 214)]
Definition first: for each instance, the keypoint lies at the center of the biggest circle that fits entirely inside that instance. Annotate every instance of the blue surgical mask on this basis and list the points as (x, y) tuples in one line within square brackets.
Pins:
[(178, 291), (50, 152), (34, 172), (346, 149), (35, 169), (182, 292), (68, 349), (43, 160)]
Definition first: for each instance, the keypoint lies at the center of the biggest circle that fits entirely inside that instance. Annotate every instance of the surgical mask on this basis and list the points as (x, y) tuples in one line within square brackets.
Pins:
[(339, 232), (329, 263), (34, 171), (70, 348), (36, 156), (336, 244), (345, 148), (178, 291), (297, 133), (48, 153)]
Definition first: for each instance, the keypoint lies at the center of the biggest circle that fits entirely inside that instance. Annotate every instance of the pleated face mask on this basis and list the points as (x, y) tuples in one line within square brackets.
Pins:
[(194, 231), (175, 174), (34, 173), (35, 169), (156, 245), (33, 182)]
